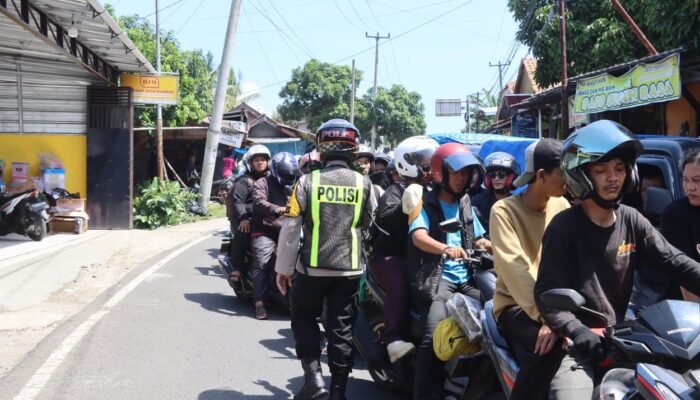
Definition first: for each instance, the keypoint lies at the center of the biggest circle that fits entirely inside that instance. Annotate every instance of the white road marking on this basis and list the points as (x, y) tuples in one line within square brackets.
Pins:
[(41, 377)]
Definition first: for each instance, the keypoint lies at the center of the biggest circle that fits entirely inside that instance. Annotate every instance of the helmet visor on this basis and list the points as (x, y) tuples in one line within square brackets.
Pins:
[(593, 142), (458, 161)]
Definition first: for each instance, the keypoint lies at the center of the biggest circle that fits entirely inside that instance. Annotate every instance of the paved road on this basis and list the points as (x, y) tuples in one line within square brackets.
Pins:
[(179, 334)]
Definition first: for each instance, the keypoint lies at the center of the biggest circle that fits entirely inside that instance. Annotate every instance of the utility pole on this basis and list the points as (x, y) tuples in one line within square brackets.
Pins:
[(467, 117), (352, 98), (476, 116), (159, 109), (500, 76), (635, 29), (218, 109), (564, 78), (374, 93)]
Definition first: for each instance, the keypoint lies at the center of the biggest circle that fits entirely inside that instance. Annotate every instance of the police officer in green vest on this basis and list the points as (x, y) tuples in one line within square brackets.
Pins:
[(332, 206)]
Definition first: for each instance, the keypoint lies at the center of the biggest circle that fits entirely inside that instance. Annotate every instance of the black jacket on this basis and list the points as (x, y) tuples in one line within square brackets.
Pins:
[(425, 270), (241, 197), (391, 218), (268, 197)]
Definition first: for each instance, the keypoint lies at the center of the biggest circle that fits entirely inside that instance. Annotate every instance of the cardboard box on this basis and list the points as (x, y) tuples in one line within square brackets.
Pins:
[(68, 225), (67, 205)]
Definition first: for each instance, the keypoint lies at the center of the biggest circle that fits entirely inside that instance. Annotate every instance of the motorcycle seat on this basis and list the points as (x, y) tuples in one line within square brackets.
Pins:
[(492, 326)]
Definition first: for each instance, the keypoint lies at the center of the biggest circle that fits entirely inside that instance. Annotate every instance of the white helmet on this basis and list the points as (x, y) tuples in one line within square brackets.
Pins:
[(255, 150), (413, 153)]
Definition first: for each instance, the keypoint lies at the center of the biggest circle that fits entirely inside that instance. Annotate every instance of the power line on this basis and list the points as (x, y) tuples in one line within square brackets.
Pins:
[(282, 34), (500, 29), (291, 29), (346, 16), (358, 15), (262, 48), (176, 2), (396, 64), (374, 16), (389, 40), (190, 17)]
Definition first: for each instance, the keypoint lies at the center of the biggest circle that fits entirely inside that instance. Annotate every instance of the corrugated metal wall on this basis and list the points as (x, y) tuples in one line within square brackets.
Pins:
[(43, 96)]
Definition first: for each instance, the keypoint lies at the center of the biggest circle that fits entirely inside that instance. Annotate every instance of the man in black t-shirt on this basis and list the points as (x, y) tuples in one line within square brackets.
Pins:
[(596, 246)]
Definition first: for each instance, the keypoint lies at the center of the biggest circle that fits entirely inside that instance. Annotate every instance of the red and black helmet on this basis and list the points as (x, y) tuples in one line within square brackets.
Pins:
[(338, 138), (453, 156)]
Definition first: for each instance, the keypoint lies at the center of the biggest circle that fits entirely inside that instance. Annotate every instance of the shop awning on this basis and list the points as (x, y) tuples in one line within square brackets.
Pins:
[(40, 29)]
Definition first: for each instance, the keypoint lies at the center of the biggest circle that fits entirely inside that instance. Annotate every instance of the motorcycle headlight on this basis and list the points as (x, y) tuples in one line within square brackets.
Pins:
[(666, 392)]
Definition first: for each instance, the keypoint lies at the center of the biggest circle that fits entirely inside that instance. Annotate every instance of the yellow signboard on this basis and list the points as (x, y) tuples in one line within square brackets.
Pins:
[(644, 84), (152, 89)]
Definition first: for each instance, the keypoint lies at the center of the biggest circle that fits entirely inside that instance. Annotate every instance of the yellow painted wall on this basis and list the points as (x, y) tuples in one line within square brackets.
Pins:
[(680, 111), (72, 149)]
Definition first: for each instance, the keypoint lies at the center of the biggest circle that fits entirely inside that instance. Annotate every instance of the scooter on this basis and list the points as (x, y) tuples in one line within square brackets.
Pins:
[(465, 374), (655, 356), (24, 213), (243, 286)]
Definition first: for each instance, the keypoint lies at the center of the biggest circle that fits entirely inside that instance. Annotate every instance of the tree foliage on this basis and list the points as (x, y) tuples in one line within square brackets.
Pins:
[(317, 92), (400, 114), (596, 34), (320, 91), (197, 74)]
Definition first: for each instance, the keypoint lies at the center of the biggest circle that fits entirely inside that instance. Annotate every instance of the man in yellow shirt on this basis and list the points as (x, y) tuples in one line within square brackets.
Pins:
[(517, 224)]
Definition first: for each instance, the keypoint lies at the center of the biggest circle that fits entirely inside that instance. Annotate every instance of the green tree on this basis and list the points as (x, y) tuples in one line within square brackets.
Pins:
[(400, 114), (197, 74), (317, 92), (597, 36)]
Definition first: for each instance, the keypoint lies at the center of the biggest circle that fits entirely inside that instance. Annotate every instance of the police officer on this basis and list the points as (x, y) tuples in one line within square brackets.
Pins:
[(332, 206)]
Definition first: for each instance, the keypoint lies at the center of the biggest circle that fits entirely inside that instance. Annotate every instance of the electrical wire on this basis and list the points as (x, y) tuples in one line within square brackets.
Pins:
[(262, 48), (176, 2), (187, 21), (396, 64), (279, 32), (358, 15), (346, 16), (500, 30), (282, 34), (309, 52), (374, 16)]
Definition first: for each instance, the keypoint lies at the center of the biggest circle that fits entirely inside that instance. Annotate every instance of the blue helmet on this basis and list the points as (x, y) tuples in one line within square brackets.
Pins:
[(285, 168)]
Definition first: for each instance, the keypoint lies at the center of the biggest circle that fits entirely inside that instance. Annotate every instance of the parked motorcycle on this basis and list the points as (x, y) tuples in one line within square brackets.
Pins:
[(469, 374), (655, 356), (243, 286), (24, 213)]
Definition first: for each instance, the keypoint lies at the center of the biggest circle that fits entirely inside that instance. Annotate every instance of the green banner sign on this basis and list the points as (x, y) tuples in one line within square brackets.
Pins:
[(643, 84)]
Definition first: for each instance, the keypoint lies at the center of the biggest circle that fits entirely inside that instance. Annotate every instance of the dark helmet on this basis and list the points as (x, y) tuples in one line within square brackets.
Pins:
[(338, 138), (501, 160), (285, 168), (600, 141), (453, 156)]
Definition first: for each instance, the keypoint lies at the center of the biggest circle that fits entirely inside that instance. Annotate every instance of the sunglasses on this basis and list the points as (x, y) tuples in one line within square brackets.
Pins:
[(497, 174)]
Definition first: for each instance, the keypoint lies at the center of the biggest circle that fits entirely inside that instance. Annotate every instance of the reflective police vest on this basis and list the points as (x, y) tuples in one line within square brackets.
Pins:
[(336, 198)]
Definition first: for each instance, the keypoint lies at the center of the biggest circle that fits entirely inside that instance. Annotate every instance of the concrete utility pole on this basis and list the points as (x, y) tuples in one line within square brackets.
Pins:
[(500, 76), (564, 78), (159, 108), (352, 98), (467, 117), (218, 110), (374, 93), (476, 116)]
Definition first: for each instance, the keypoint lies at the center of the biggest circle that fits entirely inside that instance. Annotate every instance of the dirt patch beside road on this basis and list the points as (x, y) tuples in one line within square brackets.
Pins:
[(44, 292)]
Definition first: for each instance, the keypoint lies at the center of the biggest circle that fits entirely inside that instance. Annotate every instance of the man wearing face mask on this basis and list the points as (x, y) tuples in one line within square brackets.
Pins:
[(501, 171)]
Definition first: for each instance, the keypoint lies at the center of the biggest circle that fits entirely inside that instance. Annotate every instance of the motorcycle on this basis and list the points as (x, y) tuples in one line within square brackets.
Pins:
[(243, 286), (466, 375), (24, 213), (655, 356)]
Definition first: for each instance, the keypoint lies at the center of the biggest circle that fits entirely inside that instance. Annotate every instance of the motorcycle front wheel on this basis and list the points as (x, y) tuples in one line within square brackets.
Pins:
[(34, 226)]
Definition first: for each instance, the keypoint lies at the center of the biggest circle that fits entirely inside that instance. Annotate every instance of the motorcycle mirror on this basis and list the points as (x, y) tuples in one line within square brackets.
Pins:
[(451, 225), (563, 299)]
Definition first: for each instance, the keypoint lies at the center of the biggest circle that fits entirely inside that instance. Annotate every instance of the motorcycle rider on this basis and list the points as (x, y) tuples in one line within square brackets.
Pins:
[(517, 225), (332, 206), (269, 204), (388, 261), (310, 162), (501, 171), (379, 175), (255, 163), (433, 281), (596, 246)]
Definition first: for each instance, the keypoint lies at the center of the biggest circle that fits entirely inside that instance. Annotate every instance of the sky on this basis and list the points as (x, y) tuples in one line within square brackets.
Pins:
[(440, 49)]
